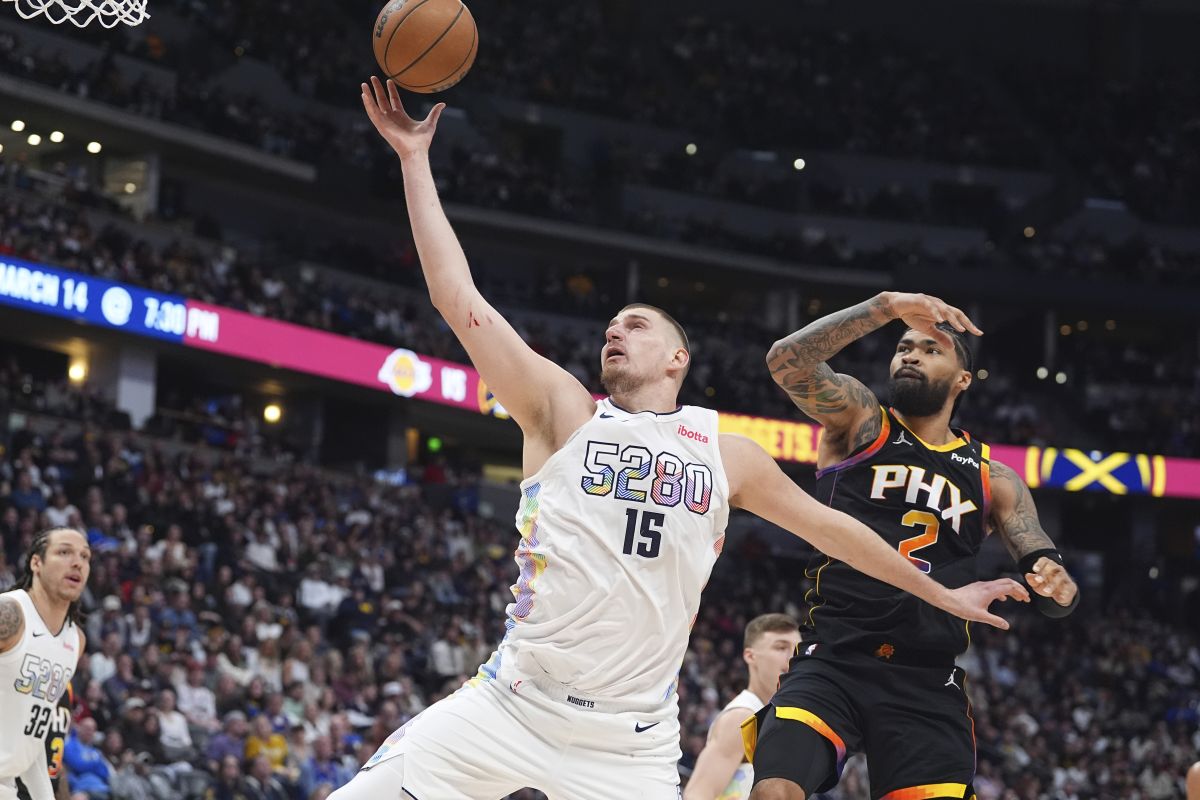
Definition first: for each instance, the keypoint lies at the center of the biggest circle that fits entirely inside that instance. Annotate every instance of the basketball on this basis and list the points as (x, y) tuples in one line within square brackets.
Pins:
[(425, 45)]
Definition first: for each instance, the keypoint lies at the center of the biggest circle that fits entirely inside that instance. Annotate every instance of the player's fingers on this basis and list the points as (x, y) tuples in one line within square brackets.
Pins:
[(1004, 588), (378, 93), (993, 620), (1039, 584), (370, 105), (966, 321), (951, 315), (939, 335), (394, 96), (1060, 586), (961, 321), (1015, 590), (435, 114)]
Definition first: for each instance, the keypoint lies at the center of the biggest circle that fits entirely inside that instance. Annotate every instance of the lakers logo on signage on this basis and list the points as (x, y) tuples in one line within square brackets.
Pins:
[(488, 404), (406, 374)]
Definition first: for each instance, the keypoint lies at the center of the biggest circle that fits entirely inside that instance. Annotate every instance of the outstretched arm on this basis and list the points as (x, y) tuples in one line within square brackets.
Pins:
[(720, 758), (544, 399), (1015, 517), (758, 485), (12, 624), (846, 408)]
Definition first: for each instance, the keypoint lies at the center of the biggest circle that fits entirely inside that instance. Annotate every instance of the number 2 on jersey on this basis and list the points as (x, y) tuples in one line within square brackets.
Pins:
[(915, 519)]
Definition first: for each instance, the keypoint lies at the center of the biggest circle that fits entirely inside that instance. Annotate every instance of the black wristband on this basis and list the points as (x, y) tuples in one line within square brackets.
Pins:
[(1050, 607), (1047, 605), (1027, 561)]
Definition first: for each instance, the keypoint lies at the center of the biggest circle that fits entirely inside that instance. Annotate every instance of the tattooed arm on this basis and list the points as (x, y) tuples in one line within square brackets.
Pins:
[(1015, 517), (545, 400), (12, 624), (846, 408)]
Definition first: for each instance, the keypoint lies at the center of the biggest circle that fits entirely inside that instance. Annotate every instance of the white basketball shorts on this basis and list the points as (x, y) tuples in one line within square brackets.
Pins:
[(488, 740)]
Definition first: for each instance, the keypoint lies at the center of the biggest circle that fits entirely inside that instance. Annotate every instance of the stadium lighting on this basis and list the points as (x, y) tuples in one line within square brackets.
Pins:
[(18, 125), (1, 147), (799, 164), (1060, 378), (982, 374), (56, 136), (663, 283), (272, 413), (77, 371), (34, 140), (691, 149), (130, 188), (1065, 330), (94, 148), (1042, 373), (1110, 325), (1030, 231)]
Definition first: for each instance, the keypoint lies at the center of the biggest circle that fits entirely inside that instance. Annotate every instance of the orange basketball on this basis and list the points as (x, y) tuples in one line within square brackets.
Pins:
[(425, 45)]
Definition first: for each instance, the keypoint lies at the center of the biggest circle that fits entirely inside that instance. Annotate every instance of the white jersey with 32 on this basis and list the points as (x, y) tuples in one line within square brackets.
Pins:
[(33, 677)]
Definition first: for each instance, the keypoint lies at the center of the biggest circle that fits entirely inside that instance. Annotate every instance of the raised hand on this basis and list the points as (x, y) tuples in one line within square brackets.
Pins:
[(973, 600), (407, 136), (922, 312), (1050, 579)]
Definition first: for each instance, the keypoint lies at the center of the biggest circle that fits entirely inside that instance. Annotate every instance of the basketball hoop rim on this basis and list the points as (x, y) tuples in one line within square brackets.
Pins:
[(81, 13)]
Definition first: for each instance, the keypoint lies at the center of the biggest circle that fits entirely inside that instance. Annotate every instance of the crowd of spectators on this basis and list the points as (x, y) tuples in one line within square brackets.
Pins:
[(714, 77), (1134, 139), (1139, 397), (256, 635), (505, 174), (359, 604), (715, 80), (544, 185)]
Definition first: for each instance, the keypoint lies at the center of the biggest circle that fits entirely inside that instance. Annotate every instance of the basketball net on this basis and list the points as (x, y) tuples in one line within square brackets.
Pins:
[(80, 13)]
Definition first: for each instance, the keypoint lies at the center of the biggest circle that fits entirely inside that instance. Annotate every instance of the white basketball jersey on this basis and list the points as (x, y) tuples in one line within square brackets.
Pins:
[(743, 780), (33, 677), (620, 530)]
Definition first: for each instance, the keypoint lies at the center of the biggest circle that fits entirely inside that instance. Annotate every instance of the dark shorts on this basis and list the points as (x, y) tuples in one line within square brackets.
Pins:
[(913, 723)]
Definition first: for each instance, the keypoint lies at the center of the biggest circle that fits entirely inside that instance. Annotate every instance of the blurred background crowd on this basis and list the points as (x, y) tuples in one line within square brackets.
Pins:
[(270, 599)]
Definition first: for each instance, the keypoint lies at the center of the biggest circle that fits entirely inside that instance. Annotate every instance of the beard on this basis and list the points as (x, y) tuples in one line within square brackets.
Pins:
[(918, 398), (619, 379)]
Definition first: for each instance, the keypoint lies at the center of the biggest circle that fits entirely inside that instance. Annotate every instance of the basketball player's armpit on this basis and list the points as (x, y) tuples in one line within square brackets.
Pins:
[(868, 431), (1014, 514), (11, 622)]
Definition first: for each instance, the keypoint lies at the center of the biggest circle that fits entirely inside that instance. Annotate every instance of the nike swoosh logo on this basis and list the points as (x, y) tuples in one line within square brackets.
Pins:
[(607, 416), (36, 635), (637, 728)]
